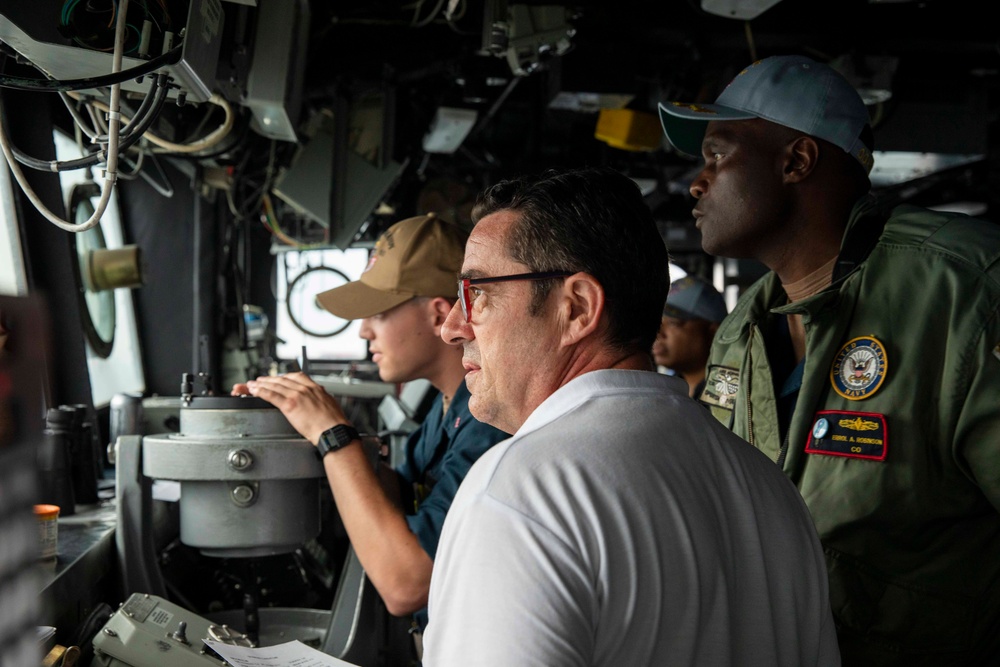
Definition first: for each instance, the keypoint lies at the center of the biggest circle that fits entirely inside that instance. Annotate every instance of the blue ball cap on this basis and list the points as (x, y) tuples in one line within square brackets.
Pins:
[(691, 298), (793, 91)]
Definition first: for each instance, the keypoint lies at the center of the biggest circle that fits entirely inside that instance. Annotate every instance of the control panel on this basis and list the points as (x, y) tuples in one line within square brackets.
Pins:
[(148, 631)]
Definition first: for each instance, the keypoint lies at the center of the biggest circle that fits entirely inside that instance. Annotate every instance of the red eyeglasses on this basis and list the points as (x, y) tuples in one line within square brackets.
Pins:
[(465, 283)]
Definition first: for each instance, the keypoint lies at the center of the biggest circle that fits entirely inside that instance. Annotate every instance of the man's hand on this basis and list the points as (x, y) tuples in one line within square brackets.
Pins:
[(305, 404)]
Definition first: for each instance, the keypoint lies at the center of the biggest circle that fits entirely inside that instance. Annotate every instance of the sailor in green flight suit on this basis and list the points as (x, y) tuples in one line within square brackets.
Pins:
[(866, 363)]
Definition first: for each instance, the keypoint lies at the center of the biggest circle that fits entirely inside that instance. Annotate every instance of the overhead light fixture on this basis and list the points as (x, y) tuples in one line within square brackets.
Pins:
[(589, 102), (449, 129), (526, 35), (895, 167), (742, 10)]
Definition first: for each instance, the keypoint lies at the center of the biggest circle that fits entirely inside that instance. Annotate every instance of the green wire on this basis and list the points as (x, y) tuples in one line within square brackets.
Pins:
[(68, 7)]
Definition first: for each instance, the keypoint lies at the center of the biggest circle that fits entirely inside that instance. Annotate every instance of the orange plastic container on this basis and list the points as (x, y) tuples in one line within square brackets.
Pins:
[(48, 530)]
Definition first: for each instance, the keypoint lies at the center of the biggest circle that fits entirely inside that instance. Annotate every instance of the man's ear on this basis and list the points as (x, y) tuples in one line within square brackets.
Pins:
[(438, 308), (801, 157), (582, 306)]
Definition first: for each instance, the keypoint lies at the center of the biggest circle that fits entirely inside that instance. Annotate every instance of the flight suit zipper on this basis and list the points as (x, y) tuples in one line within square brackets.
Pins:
[(784, 448), (744, 380)]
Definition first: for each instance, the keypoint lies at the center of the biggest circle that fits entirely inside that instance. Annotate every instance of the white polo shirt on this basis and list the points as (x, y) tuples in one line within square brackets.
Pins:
[(623, 525)]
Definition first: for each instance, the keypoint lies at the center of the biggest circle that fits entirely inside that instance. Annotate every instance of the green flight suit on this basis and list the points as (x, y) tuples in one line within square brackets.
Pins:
[(903, 478)]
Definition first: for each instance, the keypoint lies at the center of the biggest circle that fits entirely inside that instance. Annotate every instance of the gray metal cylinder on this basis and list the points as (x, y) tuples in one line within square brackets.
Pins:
[(280, 515), (249, 483), (125, 415)]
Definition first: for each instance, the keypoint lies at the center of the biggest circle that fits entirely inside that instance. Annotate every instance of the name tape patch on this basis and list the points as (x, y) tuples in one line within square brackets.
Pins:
[(857, 435), (721, 385)]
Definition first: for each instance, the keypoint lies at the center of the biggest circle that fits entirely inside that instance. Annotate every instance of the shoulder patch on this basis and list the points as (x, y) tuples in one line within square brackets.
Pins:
[(859, 368), (721, 385)]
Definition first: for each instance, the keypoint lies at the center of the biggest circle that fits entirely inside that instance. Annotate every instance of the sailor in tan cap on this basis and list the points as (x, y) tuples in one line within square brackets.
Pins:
[(402, 298)]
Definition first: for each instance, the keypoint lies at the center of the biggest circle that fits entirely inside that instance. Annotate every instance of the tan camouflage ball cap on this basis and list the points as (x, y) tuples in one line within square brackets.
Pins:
[(419, 256)]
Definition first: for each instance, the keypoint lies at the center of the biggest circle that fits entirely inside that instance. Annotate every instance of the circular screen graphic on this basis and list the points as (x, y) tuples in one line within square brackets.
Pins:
[(303, 309)]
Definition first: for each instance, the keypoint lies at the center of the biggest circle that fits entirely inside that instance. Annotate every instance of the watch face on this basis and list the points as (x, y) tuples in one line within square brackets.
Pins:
[(335, 438)]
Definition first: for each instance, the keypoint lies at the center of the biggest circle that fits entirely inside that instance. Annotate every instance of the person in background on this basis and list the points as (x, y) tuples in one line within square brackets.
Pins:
[(621, 524), (866, 364), (691, 317), (402, 298)]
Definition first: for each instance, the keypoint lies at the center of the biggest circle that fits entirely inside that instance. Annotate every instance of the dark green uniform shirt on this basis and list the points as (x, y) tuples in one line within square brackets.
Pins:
[(894, 441)]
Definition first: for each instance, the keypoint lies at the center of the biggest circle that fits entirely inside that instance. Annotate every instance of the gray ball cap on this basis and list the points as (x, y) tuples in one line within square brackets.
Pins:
[(691, 298), (793, 91)]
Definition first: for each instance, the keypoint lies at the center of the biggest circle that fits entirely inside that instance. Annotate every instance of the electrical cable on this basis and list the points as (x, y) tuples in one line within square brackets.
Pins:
[(270, 221), (750, 43), (160, 81), (96, 120), (200, 127), (111, 170), (78, 118), (430, 17), (232, 267), (78, 137), (452, 9), (232, 204), (453, 19), (252, 201), (171, 57), (272, 224), (237, 179), (129, 135), (136, 167), (208, 141), (244, 130), (166, 190), (94, 134), (415, 6)]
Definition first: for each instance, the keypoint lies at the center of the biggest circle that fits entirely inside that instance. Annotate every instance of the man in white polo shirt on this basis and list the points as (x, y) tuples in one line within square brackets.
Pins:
[(621, 524)]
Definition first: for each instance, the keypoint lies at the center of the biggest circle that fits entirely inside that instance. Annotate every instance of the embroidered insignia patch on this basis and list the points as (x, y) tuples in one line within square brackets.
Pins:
[(866, 158), (385, 243), (721, 385), (857, 435), (859, 368), (694, 107), (996, 351)]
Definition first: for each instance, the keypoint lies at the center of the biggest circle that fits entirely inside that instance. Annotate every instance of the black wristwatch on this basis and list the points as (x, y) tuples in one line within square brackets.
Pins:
[(336, 438)]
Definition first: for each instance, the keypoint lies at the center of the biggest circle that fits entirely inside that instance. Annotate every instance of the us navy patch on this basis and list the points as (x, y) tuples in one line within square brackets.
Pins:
[(721, 385), (857, 435), (859, 368)]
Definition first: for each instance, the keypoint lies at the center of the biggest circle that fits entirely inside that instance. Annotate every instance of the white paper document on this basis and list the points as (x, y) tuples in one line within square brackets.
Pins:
[(289, 654)]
